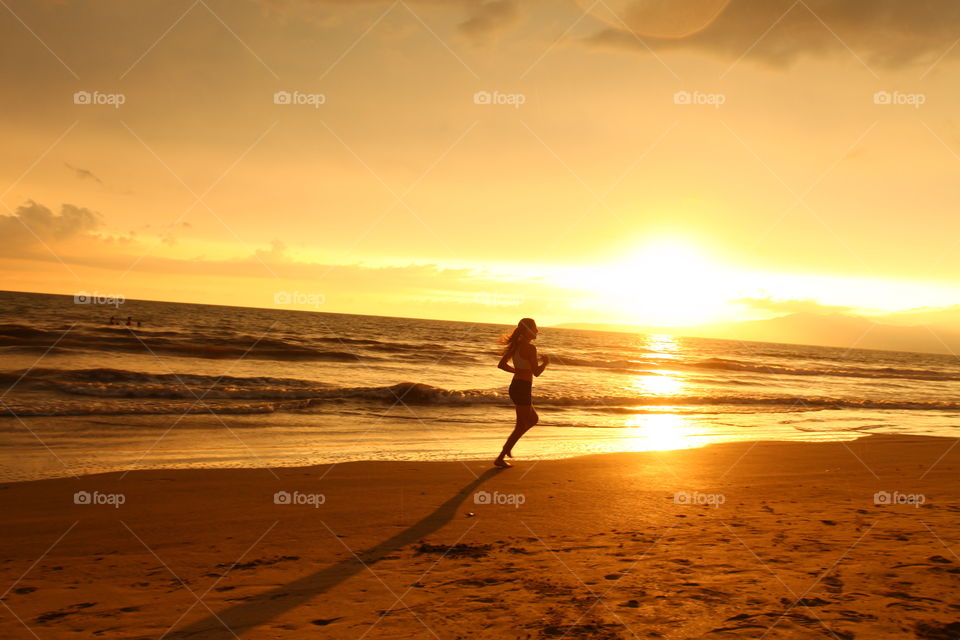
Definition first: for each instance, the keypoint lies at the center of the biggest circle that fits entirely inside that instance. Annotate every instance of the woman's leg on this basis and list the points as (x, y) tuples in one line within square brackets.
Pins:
[(526, 418), (515, 435), (518, 431), (531, 420)]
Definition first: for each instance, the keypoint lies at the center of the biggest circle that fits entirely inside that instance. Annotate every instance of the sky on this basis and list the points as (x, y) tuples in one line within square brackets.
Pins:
[(651, 162)]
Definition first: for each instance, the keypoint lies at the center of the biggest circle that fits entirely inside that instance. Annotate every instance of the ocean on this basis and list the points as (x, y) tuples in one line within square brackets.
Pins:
[(212, 386)]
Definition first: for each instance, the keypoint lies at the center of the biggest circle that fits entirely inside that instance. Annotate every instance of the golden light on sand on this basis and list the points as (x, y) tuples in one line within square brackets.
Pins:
[(662, 432)]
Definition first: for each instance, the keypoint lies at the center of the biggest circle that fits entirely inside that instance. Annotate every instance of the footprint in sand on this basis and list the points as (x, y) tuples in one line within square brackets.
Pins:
[(855, 616), (938, 630), (833, 584), (459, 550), (520, 550), (62, 613), (261, 562)]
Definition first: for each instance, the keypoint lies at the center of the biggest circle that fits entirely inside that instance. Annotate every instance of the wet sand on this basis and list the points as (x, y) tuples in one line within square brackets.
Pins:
[(767, 539)]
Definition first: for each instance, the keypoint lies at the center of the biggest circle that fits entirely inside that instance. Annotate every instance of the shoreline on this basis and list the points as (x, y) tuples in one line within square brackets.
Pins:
[(110, 445), (721, 541), (471, 462)]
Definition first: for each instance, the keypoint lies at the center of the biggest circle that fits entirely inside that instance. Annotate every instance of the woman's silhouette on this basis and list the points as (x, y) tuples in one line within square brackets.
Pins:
[(517, 345)]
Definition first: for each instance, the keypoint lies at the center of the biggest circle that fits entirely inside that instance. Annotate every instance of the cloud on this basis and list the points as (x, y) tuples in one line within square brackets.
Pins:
[(83, 174), (484, 18), (276, 253), (32, 224), (791, 306), (942, 316), (77, 236), (487, 19), (883, 33)]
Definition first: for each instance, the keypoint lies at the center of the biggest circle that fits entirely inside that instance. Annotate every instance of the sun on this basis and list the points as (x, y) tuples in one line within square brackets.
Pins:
[(661, 282), (668, 282)]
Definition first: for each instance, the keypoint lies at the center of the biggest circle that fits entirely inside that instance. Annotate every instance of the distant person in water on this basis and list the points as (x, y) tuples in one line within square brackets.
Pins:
[(518, 346), (129, 321)]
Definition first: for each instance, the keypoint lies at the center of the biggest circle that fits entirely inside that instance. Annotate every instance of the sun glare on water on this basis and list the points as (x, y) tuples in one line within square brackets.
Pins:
[(661, 383)]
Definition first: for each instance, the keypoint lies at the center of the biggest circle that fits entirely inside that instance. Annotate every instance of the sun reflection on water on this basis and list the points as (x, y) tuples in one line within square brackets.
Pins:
[(661, 345), (662, 383), (667, 430), (657, 384)]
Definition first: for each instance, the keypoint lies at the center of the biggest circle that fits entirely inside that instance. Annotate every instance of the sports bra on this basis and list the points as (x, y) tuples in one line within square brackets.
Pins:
[(519, 362)]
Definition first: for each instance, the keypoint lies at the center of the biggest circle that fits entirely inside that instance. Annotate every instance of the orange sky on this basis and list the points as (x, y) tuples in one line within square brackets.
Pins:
[(588, 190)]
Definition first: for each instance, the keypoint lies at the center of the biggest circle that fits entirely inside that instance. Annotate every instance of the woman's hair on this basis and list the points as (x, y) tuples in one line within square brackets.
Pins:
[(510, 340)]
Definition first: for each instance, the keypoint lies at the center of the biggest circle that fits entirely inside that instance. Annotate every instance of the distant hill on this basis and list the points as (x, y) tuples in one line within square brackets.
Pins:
[(925, 334)]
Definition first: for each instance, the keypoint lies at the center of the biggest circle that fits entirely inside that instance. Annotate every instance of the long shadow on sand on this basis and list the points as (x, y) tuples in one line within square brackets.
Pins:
[(268, 605)]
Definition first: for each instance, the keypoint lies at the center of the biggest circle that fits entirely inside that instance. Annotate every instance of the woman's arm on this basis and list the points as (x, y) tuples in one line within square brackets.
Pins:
[(537, 368), (503, 364)]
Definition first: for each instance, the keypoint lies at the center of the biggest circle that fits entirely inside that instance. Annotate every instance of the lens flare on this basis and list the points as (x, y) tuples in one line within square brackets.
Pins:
[(657, 18)]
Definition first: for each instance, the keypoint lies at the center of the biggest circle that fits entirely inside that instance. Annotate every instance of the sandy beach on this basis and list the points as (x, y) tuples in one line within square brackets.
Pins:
[(286, 284), (765, 539)]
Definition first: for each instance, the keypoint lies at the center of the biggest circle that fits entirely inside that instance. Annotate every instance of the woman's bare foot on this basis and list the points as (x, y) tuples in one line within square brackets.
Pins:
[(503, 464)]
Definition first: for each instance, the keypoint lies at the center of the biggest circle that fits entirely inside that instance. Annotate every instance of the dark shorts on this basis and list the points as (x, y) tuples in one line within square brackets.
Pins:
[(521, 392)]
